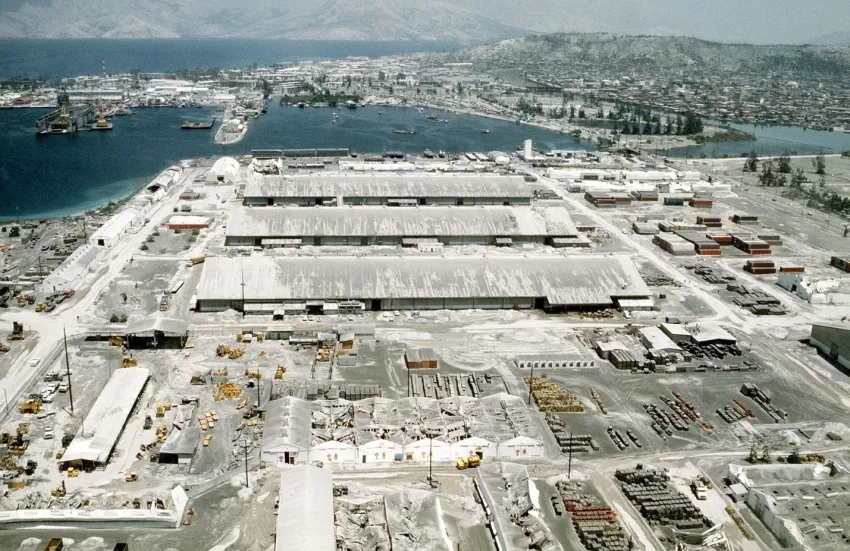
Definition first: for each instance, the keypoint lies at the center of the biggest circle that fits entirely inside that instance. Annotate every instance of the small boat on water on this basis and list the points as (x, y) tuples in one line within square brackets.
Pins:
[(351, 104), (428, 154), (301, 105), (432, 117), (188, 125), (485, 130), (410, 130), (441, 154)]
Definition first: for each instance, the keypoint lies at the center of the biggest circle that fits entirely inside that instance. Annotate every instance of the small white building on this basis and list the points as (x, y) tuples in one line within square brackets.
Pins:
[(71, 272), (418, 450), (474, 444), (832, 290), (521, 447), (380, 451), (116, 227), (333, 452)]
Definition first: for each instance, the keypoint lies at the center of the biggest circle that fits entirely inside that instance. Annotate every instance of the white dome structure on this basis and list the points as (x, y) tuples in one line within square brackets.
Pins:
[(225, 169)]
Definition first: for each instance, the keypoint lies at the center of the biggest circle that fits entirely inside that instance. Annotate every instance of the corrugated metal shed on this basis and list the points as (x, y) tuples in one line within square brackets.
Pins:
[(387, 185), (568, 280), (106, 419), (296, 222)]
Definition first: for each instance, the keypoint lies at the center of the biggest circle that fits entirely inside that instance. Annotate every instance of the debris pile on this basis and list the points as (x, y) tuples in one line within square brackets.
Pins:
[(651, 494), (594, 522)]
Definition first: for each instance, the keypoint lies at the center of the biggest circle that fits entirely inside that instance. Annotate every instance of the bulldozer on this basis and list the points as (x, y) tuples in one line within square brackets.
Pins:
[(129, 361), (60, 491), (471, 462), (222, 350), (253, 374), (148, 422), (236, 353), (17, 332), (115, 340), (40, 306), (30, 405), (281, 369)]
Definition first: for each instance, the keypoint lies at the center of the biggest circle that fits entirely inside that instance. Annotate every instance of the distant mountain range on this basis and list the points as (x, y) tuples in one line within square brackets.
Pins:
[(464, 21), (373, 20), (671, 54)]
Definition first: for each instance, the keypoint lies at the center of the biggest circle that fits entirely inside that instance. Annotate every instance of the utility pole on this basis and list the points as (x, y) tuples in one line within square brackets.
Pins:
[(68, 370), (430, 460), (530, 383), (40, 275), (570, 460), (242, 271), (258, 389)]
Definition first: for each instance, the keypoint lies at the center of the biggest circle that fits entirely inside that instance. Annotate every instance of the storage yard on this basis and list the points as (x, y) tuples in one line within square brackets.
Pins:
[(425, 360)]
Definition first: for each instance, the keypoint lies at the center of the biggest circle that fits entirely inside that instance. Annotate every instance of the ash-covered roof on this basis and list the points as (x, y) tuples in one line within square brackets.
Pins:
[(563, 280), (399, 221), (387, 185)]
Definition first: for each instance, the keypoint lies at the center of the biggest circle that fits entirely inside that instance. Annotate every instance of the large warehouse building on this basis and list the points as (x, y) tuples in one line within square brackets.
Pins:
[(386, 189), (270, 227), (552, 283)]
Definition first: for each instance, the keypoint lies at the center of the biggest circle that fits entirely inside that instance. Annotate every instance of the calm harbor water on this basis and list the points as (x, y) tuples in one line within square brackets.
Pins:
[(54, 58), (43, 176)]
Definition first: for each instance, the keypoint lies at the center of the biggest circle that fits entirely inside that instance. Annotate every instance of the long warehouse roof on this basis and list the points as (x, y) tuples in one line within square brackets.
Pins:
[(387, 185), (399, 221), (105, 421), (305, 518), (563, 280)]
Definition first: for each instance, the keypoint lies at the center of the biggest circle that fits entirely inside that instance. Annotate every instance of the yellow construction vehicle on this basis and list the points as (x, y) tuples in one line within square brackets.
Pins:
[(281, 369), (73, 473), (222, 350), (129, 361), (253, 374), (207, 440), (471, 462), (236, 353), (242, 404), (131, 477), (17, 332), (60, 491), (115, 340), (30, 405), (40, 306)]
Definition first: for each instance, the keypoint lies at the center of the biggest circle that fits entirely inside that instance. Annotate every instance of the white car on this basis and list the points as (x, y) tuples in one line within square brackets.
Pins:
[(34, 362), (48, 434), (63, 387), (47, 397)]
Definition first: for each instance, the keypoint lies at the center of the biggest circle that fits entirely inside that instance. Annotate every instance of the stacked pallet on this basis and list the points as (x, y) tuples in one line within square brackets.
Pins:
[(772, 238), (710, 221), (703, 245), (720, 237), (660, 504), (751, 244), (595, 523), (674, 245), (552, 397), (680, 226), (745, 219), (701, 203), (645, 228), (760, 267)]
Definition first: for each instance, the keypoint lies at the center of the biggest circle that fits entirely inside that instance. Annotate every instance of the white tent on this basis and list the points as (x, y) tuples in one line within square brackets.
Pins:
[(418, 451), (474, 444), (380, 451), (521, 447), (225, 169), (333, 452)]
